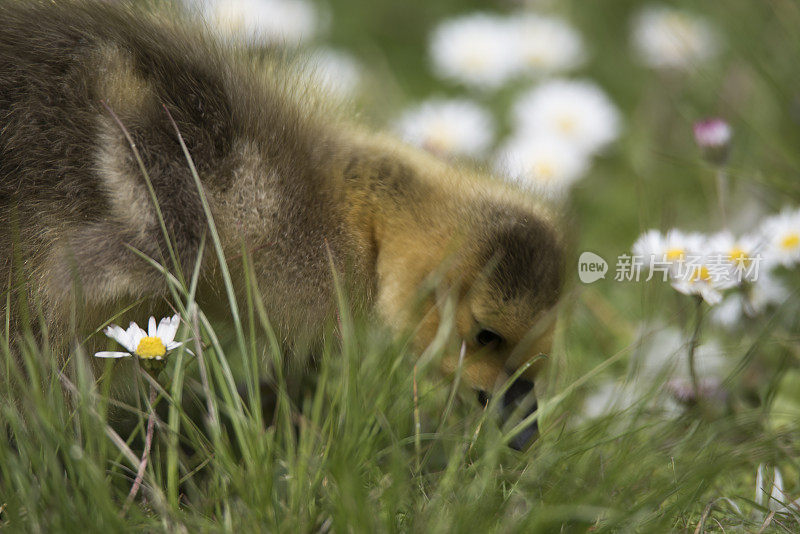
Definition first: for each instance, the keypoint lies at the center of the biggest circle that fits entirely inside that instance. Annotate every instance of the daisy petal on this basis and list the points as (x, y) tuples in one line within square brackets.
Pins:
[(118, 334), (112, 331), (110, 354), (175, 344), (711, 296), (135, 335), (151, 327), (760, 492), (167, 328)]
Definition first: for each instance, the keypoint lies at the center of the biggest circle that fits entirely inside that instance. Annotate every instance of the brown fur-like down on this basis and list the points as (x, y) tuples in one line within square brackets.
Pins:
[(305, 192)]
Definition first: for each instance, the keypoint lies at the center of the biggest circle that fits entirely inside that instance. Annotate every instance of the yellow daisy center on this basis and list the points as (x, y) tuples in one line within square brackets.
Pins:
[(544, 171), (738, 256), (151, 347), (675, 254), (680, 24), (475, 61), (700, 274), (790, 241), (535, 58), (440, 139), (566, 123)]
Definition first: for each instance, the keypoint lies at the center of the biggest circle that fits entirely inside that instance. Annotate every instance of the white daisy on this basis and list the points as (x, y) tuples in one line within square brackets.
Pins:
[(458, 126), (779, 501), (477, 50), (764, 292), (729, 313), (666, 37), (781, 234), (546, 44), (672, 248), (261, 22), (577, 112), (664, 356), (338, 73), (649, 244), (610, 397), (685, 261), (697, 276), (741, 255), (546, 164), (153, 344)]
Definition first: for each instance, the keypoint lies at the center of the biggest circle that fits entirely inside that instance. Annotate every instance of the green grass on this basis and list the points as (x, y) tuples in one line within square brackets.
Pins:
[(360, 452), (349, 455)]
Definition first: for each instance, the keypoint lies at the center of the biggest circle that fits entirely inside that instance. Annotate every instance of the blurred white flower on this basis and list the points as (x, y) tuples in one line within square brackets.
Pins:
[(664, 356), (671, 248), (477, 50), (705, 275), (697, 280), (666, 37), (737, 250), (756, 297), (338, 73), (152, 344), (729, 313), (650, 244), (543, 163), (707, 265), (778, 500), (685, 260), (742, 254), (781, 234), (546, 44), (765, 292), (457, 126), (577, 112), (261, 22), (660, 375), (609, 398)]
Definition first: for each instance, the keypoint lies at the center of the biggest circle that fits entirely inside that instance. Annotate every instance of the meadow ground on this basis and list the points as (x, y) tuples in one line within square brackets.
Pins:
[(630, 439)]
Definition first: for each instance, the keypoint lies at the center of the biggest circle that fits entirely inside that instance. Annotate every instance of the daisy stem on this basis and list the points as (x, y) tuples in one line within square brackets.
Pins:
[(693, 343), (148, 442), (722, 193)]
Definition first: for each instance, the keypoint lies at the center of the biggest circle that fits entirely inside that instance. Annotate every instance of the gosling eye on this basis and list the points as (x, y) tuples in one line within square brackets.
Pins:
[(485, 337)]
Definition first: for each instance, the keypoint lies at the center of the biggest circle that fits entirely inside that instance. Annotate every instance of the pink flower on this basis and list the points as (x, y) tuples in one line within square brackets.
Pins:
[(712, 133), (709, 389), (713, 136)]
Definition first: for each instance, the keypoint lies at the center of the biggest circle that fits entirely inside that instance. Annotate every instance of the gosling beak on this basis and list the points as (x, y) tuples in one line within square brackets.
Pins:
[(518, 396)]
